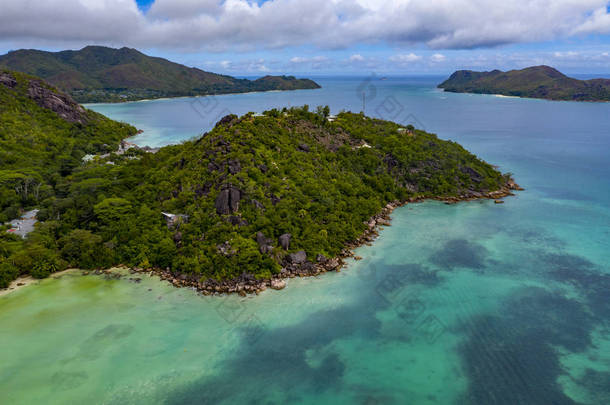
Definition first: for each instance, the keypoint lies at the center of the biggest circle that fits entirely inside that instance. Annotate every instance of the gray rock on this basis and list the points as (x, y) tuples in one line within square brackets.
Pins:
[(234, 166), (227, 200), (304, 147), (59, 103), (278, 284), (299, 257), (8, 80), (264, 243), (320, 258), (258, 205), (285, 241)]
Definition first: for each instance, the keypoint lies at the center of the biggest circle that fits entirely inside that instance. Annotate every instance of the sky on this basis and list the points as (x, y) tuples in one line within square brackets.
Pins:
[(325, 37)]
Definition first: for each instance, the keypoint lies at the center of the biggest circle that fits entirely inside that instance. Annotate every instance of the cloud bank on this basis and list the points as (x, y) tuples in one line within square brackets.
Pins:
[(215, 25)]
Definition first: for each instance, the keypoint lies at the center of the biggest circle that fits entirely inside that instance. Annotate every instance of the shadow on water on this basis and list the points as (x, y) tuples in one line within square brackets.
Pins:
[(590, 281), (277, 358), (510, 358), (460, 253)]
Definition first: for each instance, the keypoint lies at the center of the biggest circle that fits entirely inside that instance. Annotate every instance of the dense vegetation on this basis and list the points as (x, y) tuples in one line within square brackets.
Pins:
[(38, 147), (99, 74), (286, 172), (534, 82)]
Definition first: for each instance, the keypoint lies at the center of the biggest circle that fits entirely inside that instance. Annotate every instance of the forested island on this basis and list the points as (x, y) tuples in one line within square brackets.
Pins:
[(542, 82), (257, 199), (97, 74)]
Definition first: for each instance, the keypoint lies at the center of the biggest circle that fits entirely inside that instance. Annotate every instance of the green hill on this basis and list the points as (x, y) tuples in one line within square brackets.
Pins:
[(101, 74), (533, 82), (44, 135), (255, 198)]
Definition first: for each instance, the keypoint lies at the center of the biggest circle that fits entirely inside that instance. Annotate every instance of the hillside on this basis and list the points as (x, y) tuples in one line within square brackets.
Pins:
[(258, 197), (101, 74), (533, 82), (44, 135)]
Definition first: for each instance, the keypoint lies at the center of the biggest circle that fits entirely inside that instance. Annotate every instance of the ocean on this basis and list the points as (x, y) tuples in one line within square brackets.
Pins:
[(472, 303)]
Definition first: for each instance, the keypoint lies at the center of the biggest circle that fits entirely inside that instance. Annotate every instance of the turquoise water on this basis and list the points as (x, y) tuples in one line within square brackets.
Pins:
[(474, 303)]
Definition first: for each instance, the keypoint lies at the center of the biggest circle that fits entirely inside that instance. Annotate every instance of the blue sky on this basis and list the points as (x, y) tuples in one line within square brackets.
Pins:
[(321, 37)]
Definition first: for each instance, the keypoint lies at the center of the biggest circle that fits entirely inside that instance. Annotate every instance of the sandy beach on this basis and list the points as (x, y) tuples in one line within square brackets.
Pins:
[(29, 280)]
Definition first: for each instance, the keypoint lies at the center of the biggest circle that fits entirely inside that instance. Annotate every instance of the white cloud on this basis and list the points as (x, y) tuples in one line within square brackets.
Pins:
[(314, 59), (437, 58), (405, 58), (218, 25), (566, 55), (356, 58)]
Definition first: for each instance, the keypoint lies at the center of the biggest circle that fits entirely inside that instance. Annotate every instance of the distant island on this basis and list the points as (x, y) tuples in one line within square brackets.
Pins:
[(542, 82), (100, 74), (259, 198)]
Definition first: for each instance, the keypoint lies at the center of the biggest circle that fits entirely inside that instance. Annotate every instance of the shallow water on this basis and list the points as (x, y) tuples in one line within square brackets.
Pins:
[(474, 303)]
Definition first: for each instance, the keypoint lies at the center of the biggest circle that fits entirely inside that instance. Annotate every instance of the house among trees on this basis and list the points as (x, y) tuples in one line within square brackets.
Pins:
[(174, 220)]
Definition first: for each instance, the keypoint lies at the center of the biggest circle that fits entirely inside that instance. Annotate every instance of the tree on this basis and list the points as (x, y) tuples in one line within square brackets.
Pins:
[(83, 249)]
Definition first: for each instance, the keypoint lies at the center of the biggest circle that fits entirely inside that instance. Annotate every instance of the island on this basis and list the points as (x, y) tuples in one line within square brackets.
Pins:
[(542, 82), (97, 74), (259, 198)]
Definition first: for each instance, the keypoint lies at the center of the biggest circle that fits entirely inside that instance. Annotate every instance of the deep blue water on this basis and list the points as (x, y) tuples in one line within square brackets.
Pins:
[(473, 303)]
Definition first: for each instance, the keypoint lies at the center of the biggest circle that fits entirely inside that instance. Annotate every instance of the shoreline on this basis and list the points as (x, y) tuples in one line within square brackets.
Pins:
[(499, 95), (248, 284), (86, 105), (25, 281)]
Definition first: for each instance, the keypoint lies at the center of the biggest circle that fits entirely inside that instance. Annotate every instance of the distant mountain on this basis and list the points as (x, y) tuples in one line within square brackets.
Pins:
[(101, 74), (533, 82)]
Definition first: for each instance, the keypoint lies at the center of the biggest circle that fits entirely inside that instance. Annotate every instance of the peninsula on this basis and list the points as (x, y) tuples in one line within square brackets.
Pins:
[(534, 82), (259, 198), (98, 74)]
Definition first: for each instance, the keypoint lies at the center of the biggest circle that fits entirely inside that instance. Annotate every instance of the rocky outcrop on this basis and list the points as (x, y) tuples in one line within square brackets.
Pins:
[(473, 174), (227, 200), (237, 220), (264, 243), (234, 166), (304, 147), (391, 161), (59, 103), (8, 80), (285, 241), (227, 121), (297, 258), (278, 284)]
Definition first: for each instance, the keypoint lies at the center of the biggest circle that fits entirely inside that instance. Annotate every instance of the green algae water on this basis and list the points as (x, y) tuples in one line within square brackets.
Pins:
[(473, 303)]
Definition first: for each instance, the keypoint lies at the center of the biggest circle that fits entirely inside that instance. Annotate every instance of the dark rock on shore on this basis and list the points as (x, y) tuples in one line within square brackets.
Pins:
[(297, 258)]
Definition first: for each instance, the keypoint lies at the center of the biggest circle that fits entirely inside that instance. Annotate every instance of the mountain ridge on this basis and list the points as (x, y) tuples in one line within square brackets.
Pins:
[(103, 74)]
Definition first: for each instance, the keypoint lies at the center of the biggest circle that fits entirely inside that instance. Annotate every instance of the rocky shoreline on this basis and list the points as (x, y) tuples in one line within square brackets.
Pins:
[(296, 264)]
